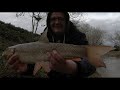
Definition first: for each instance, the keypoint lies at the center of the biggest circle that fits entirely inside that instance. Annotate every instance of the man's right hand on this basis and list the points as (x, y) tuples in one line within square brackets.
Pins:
[(14, 63)]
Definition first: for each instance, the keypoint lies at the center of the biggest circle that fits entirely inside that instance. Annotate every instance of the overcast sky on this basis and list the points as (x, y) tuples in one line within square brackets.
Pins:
[(106, 21)]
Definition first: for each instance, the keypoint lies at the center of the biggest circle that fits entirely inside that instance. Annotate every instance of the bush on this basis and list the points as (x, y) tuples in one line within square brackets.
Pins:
[(117, 48)]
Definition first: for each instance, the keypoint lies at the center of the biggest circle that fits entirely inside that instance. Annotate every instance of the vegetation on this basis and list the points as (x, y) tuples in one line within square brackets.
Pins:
[(11, 35), (115, 39), (36, 18), (95, 36)]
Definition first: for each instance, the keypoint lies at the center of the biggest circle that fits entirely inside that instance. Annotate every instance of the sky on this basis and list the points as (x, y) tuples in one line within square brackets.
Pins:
[(107, 20)]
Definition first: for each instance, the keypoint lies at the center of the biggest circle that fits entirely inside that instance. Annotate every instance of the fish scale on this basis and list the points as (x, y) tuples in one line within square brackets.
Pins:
[(37, 51)]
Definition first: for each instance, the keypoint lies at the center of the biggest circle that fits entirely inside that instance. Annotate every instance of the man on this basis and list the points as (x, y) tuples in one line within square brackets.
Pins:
[(60, 30)]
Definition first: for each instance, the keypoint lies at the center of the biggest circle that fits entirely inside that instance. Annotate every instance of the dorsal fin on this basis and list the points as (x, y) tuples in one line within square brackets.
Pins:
[(43, 37)]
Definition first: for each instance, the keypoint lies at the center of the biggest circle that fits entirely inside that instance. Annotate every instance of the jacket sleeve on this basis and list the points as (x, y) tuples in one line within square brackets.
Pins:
[(84, 69), (29, 72)]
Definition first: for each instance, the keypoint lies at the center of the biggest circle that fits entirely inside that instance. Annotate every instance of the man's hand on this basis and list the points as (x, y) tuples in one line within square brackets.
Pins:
[(15, 64), (59, 64)]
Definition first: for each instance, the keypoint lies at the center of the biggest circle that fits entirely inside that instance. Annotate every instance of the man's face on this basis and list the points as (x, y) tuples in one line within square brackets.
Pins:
[(57, 22)]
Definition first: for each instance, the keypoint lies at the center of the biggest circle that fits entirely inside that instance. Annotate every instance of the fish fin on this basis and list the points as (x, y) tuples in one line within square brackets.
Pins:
[(37, 68), (97, 62), (94, 54), (46, 67), (39, 65), (99, 50), (43, 38)]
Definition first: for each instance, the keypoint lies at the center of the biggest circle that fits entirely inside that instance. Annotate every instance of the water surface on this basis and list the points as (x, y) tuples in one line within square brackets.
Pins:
[(112, 69)]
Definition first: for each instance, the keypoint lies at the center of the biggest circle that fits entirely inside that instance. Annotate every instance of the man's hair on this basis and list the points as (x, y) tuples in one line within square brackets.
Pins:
[(66, 15), (69, 24), (69, 29)]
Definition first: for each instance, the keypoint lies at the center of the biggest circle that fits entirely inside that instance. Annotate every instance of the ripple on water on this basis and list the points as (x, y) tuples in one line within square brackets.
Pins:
[(112, 68)]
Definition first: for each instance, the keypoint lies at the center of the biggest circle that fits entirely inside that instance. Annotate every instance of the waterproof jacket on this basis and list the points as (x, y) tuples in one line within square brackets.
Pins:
[(84, 68)]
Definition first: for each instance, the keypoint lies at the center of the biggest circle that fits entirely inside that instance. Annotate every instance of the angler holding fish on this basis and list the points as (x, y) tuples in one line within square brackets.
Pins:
[(63, 51)]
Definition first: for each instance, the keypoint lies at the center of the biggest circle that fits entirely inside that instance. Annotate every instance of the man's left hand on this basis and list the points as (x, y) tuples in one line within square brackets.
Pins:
[(59, 64)]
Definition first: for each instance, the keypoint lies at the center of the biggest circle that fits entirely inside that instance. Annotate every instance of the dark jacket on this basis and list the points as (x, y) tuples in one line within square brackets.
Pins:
[(85, 69), (73, 36)]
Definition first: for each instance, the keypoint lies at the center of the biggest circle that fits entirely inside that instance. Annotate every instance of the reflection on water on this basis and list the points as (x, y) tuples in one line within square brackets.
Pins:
[(112, 68)]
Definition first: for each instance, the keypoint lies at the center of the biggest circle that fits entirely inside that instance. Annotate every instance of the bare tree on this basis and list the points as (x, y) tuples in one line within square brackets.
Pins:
[(94, 35), (36, 17), (77, 16), (115, 38)]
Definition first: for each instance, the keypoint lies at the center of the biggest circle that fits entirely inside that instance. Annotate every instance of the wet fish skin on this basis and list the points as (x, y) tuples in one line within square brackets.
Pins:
[(37, 51)]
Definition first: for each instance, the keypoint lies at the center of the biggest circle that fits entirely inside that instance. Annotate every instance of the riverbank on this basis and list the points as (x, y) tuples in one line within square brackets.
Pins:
[(112, 61), (113, 54)]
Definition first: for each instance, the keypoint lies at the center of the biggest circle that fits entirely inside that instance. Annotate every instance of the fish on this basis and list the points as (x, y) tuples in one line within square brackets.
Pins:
[(34, 52)]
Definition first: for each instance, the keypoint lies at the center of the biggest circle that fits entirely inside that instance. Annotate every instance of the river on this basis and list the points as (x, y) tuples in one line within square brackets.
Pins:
[(112, 69)]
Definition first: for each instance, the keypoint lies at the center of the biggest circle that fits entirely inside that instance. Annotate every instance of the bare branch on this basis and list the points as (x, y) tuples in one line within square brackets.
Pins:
[(36, 18), (20, 14), (115, 38), (94, 35)]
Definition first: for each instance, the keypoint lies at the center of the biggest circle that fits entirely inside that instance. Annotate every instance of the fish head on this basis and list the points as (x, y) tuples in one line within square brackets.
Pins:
[(8, 52)]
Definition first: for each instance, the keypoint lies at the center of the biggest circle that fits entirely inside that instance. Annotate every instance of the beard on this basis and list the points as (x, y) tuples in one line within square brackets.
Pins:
[(58, 33)]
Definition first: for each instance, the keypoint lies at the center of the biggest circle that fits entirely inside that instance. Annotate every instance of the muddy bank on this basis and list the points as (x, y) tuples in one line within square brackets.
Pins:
[(113, 54)]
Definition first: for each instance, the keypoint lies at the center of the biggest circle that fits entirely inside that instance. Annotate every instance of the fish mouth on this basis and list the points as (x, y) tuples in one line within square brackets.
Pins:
[(8, 53)]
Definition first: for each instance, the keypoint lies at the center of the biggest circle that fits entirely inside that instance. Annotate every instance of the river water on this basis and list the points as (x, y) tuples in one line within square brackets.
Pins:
[(112, 69)]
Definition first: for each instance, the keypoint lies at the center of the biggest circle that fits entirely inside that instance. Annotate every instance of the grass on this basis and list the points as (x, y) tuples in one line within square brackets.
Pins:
[(9, 73)]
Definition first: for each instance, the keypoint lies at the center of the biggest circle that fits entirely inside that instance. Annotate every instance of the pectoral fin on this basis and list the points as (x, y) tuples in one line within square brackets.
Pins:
[(37, 67), (46, 67), (43, 65)]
